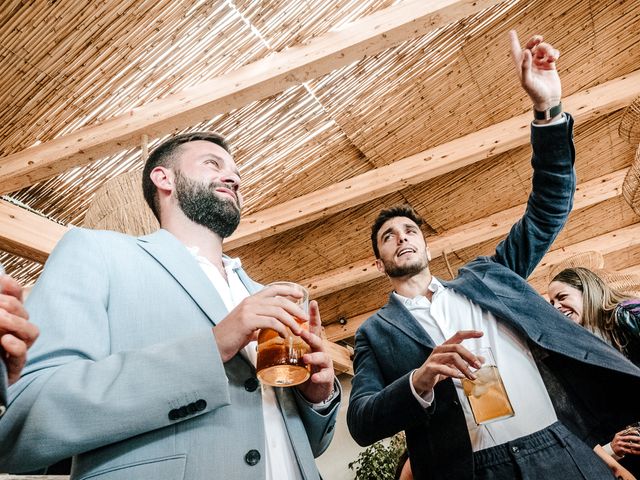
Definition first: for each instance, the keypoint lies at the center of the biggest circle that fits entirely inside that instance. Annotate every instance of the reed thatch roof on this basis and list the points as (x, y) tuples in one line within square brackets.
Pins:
[(330, 121)]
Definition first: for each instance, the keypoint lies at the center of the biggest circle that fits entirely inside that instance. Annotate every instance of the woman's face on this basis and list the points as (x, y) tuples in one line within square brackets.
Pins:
[(567, 299)]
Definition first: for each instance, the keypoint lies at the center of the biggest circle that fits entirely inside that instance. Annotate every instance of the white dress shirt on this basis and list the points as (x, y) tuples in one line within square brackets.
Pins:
[(280, 458), (449, 312)]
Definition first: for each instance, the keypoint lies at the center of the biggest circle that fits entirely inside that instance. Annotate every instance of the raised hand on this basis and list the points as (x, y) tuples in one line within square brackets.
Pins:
[(266, 309), (320, 383), (536, 67), (17, 334), (449, 360)]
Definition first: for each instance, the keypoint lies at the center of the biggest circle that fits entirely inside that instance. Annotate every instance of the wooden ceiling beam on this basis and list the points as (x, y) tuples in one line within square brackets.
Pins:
[(423, 166), (27, 234), (253, 82), (31, 236), (341, 357), (607, 243), (587, 194)]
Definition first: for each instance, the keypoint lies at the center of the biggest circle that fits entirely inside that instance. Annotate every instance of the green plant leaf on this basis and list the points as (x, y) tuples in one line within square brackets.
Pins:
[(379, 462)]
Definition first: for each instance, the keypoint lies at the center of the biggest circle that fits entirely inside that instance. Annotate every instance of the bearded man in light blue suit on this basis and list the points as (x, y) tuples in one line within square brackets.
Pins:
[(143, 368)]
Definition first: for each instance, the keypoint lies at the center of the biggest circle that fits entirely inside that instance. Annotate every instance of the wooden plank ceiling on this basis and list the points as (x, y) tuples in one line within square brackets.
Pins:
[(335, 109)]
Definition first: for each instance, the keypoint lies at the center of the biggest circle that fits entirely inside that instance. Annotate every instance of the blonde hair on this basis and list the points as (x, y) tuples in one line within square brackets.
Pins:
[(599, 302)]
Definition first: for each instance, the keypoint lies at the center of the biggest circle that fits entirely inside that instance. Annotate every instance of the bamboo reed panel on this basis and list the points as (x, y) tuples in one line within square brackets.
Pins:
[(631, 185), (591, 260), (630, 123), (66, 66)]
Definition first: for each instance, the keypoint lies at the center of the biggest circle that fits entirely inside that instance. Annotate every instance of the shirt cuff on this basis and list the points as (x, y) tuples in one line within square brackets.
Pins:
[(319, 407), (558, 121), (607, 448), (425, 400)]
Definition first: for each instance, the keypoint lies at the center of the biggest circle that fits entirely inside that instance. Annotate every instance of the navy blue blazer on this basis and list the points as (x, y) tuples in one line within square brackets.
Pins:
[(594, 389)]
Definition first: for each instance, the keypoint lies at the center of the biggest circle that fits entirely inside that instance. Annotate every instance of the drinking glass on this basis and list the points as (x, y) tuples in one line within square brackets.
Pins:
[(280, 362), (486, 394)]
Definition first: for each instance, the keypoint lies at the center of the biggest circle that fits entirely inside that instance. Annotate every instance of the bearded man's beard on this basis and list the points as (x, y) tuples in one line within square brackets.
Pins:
[(202, 205), (407, 270)]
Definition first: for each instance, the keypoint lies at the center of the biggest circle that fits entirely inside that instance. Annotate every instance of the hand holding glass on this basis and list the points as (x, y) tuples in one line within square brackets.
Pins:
[(280, 362), (486, 394)]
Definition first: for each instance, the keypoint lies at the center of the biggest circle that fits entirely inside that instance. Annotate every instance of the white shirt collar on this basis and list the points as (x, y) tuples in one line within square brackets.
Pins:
[(228, 262), (434, 286)]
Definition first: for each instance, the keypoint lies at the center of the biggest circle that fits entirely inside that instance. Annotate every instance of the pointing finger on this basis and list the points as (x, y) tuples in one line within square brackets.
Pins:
[(516, 51), (461, 335), (527, 62)]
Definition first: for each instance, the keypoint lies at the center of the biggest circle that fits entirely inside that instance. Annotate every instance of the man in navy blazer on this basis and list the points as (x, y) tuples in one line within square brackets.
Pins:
[(569, 390)]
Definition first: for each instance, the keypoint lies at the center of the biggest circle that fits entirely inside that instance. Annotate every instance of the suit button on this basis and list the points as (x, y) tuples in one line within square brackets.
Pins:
[(201, 405), (191, 408), (330, 429), (173, 415), (182, 412), (251, 384), (252, 457)]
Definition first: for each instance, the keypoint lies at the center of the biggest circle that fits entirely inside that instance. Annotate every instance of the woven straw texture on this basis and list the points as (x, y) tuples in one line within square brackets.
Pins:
[(67, 65), (119, 205), (628, 283), (591, 260), (630, 123), (631, 185)]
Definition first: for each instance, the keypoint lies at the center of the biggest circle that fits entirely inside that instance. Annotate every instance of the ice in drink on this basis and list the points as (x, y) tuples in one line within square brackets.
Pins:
[(486, 394)]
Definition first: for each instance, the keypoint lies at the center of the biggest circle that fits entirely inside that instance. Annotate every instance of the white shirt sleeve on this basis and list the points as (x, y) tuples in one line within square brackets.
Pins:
[(318, 407), (562, 119), (425, 400), (607, 448)]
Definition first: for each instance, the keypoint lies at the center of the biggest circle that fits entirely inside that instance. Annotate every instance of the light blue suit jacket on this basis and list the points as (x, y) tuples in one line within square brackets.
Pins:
[(126, 376)]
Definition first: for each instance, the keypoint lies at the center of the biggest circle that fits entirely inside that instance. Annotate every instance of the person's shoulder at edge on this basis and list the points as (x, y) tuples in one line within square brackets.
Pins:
[(85, 235)]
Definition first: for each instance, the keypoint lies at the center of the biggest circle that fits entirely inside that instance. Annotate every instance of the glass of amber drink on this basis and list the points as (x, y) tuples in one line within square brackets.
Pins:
[(633, 429), (486, 394), (280, 362)]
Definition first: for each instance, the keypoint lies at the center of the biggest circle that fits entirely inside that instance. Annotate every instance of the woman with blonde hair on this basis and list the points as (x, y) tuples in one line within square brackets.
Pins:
[(583, 297)]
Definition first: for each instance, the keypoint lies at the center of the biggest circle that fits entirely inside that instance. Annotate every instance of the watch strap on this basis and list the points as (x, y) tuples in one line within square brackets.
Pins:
[(549, 113)]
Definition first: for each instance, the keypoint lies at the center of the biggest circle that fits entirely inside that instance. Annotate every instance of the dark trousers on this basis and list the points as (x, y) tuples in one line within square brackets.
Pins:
[(550, 454)]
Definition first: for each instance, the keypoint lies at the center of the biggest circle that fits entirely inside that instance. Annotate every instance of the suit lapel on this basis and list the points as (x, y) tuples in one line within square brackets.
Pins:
[(538, 321), (181, 265), (472, 287), (296, 431), (398, 316), (251, 286)]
